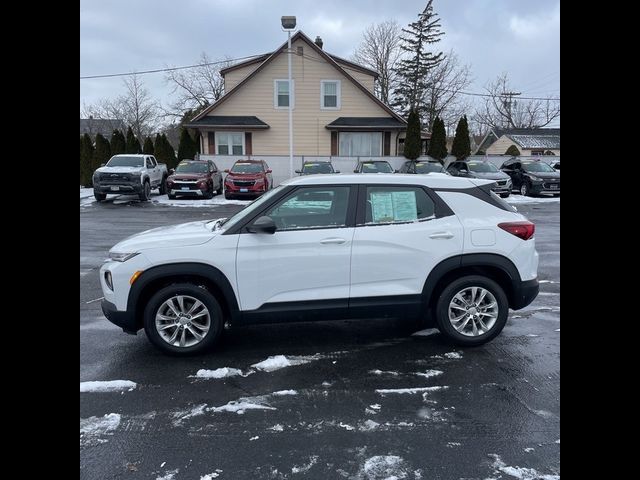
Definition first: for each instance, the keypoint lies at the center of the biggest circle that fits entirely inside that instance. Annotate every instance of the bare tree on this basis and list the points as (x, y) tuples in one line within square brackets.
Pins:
[(444, 96), (197, 87), (380, 51), (503, 109)]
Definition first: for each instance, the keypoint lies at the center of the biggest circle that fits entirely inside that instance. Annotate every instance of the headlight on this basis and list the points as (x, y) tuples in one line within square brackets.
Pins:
[(533, 177), (121, 256)]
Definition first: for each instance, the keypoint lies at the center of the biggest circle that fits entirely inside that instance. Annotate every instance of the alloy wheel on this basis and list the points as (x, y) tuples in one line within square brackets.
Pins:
[(473, 311), (182, 321)]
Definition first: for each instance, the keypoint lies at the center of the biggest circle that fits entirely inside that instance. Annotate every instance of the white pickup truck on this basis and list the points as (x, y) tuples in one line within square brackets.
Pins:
[(131, 174)]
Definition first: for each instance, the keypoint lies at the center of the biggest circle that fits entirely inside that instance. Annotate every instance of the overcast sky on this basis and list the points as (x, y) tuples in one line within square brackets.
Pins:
[(521, 37)]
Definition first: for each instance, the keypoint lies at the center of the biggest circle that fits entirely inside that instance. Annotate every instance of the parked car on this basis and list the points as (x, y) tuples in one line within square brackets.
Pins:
[(248, 178), (311, 168), (532, 177), (421, 167), (130, 174), (556, 166), (373, 166), (433, 248), (199, 178), (484, 170)]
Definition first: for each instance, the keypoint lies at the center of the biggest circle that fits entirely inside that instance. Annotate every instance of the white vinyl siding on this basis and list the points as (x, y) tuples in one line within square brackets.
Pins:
[(229, 143), (360, 144), (330, 94), (281, 93)]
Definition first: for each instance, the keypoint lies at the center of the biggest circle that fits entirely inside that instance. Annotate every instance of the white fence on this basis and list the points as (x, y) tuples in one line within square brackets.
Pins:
[(280, 164)]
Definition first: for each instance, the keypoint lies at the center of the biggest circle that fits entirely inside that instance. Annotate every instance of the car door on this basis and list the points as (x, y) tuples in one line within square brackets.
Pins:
[(517, 174), (401, 233), (217, 176), (307, 259), (153, 170), (269, 177)]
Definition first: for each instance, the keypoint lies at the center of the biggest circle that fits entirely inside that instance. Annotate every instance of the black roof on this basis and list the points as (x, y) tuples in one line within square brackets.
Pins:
[(228, 121), (366, 123)]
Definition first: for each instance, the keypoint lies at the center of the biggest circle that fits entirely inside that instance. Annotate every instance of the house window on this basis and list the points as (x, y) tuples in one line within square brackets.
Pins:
[(281, 93), (229, 143), (330, 94), (360, 144), (537, 152)]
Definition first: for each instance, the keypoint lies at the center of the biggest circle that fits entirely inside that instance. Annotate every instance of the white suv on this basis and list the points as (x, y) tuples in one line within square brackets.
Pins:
[(430, 247)]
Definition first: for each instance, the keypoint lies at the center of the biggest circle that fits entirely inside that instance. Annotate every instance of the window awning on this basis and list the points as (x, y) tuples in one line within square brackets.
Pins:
[(366, 123), (228, 122)]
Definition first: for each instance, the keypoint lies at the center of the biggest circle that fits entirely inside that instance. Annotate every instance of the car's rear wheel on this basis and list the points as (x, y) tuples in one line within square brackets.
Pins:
[(146, 192), (219, 191), (183, 319), (162, 188), (472, 310), (99, 196)]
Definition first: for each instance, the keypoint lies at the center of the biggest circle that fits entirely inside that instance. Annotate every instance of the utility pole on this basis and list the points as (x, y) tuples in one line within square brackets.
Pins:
[(508, 101)]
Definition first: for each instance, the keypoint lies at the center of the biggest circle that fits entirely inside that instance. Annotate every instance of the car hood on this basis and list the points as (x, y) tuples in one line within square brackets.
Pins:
[(491, 175), (120, 169), (244, 176), (545, 175), (187, 176), (183, 235)]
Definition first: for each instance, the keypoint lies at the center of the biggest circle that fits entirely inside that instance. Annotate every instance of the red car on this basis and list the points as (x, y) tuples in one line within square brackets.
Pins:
[(195, 178), (248, 178)]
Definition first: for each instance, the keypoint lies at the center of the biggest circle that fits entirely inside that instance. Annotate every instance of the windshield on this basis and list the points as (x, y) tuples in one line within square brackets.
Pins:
[(247, 168), (537, 167), (192, 168), (482, 167), (126, 161), (251, 207), (427, 167), (323, 167), (376, 167)]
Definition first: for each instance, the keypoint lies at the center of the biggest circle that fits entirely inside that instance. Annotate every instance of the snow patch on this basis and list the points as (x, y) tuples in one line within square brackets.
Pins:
[(453, 355), (276, 428), (196, 202), (387, 467), (383, 372), (254, 438), (386, 391), (223, 372), (345, 426), (529, 449), (307, 466), (425, 333), (326, 384), (281, 393), (531, 335), (182, 415), (241, 405), (429, 373), (212, 475), (277, 362), (92, 428), (519, 199), (521, 473), (170, 475), (557, 441), (557, 329), (107, 386), (368, 425), (453, 444)]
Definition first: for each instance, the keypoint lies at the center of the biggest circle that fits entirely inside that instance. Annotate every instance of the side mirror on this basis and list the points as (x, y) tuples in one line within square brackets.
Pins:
[(269, 171), (226, 170), (338, 171), (263, 224), (298, 171), (102, 164)]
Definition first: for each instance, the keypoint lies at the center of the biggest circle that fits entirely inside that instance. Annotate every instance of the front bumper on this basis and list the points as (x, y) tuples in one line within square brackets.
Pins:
[(117, 188), (196, 193), (250, 191), (125, 320), (524, 293)]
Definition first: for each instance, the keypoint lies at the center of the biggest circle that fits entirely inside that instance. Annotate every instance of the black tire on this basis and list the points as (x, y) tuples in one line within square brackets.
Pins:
[(505, 195), (219, 191), (200, 293), (442, 310), (145, 194), (171, 197), (209, 194), (525, 190), (227, 196), (162, 188), (99, 196)]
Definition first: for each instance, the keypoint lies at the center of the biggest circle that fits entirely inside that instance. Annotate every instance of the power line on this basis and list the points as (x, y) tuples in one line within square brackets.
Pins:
[(169, 69)]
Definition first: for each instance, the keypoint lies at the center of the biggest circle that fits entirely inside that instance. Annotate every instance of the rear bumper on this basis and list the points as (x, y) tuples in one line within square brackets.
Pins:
[(125, 320), (524, 293)]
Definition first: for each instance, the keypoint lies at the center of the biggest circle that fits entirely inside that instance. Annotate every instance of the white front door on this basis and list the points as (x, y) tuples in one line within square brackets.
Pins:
[(307, 258), (399, 242)]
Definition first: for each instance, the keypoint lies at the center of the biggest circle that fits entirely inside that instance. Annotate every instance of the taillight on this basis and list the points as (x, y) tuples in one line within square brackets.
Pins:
[(523, 230)]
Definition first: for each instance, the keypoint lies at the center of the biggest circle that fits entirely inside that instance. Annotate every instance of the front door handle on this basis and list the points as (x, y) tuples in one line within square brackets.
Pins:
[(333, 241), (441, 235)]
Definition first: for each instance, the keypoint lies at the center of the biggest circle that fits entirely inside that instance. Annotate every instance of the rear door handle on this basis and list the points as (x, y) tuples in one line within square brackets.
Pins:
[(442, 235), (332, 241)]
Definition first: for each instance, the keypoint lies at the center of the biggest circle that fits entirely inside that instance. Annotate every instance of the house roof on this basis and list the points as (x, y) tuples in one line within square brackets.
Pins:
[(350, 123), (228, 121), (529, 138), (103, 126), (323, 54), (264, 56)]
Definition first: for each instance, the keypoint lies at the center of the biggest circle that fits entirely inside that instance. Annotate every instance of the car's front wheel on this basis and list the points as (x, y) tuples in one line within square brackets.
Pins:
[(525, 190), (162, 188), (472, 310), (505, 195), (183, 319), (145, 194), (99, 196)]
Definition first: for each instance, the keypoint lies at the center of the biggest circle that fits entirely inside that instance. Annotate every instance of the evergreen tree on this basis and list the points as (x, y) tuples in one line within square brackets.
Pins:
[(148, 146), (132, 143), (187, 148), (196, 141), (412, 71), (157, 149), (118, 144), (413, 141), (513, 151), (102, 152), (86, 159), (438, 142), (461, 147), (169, 152)]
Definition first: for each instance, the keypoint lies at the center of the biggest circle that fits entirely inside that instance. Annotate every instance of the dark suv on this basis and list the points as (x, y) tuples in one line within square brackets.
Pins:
[(248, 178), (199, 178), (484, 170), (421, 167), (373, 166), (311, 168), (532, 177)]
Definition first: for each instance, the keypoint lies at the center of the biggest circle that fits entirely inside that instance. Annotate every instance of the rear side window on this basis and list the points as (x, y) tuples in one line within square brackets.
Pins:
[(399, 204)]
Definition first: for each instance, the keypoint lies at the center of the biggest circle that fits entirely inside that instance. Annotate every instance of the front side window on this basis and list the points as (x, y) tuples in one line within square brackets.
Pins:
[(397, 205), (281, 94), (482, 167), (229, 143), (312, 207), (330, 94), (360, 144)]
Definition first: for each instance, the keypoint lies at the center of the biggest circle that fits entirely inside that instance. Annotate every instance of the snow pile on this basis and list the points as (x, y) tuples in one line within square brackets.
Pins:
[(277, 362), (212, 475), (276, 428), (170, 475), (519, 199), (196, 202), (453, 355), (307, 466), (385, 467), (386, 391), (429, 373), (86, 193), (281, 393), (223, 372), (242, 405), (521, 473), (368, 426), (425, 333), (110, 386), (182, 415), (382, 372), (94, 427)]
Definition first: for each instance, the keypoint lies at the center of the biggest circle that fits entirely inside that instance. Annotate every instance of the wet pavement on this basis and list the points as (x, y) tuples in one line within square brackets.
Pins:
[(362, 400)]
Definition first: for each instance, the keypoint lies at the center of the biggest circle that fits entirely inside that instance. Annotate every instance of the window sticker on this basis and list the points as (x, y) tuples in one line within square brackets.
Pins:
[(393, 207)]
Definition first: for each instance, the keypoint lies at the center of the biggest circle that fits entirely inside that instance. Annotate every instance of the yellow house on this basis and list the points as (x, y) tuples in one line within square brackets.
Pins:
[(335, 112), (529, 141)]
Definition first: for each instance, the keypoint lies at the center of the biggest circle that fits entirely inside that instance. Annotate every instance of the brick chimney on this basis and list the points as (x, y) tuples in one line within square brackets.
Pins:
[(319, 42)]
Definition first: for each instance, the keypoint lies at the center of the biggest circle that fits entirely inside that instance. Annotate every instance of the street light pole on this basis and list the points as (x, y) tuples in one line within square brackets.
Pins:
[(290, 111)]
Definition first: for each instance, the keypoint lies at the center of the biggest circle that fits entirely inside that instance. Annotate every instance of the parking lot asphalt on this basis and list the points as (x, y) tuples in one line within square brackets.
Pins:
[(362, 400)]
